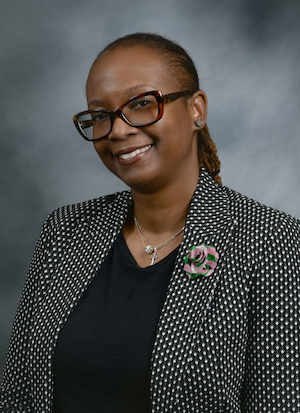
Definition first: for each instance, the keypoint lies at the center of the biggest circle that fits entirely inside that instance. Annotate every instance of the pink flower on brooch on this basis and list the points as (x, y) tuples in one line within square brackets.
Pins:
[(201, 260)]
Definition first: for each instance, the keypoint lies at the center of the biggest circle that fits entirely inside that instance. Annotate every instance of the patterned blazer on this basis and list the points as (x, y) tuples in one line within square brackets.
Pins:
[(225, 343)]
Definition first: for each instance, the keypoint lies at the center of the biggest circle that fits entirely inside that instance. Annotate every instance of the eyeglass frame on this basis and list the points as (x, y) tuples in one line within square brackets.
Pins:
[(160, 99)]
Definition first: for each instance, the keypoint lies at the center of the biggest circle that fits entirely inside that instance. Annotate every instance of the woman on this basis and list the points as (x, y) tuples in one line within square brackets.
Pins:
[(179, 295)]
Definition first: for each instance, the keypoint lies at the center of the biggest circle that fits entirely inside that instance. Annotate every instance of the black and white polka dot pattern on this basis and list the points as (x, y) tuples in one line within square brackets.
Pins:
[(225, 343)]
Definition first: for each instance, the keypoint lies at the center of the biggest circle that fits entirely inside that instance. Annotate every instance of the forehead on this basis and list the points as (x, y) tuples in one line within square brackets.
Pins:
[(124, 69)]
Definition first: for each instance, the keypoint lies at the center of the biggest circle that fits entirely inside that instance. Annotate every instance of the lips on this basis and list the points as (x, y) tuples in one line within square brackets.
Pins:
[(135, 152), (131, 155)]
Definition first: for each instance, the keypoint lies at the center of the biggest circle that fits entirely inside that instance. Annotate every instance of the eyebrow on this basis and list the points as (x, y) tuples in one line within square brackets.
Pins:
[(131, 89)]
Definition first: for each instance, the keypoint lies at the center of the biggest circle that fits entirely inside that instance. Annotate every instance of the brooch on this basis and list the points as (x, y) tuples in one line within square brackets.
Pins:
[(201, 260)]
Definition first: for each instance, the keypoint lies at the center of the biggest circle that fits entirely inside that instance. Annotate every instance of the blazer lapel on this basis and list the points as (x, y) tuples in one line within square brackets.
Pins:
[(99, 233), (79, 248), (188, 301)]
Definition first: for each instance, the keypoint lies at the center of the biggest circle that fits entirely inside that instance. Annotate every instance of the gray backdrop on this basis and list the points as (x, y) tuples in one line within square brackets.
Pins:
[(247, 54)]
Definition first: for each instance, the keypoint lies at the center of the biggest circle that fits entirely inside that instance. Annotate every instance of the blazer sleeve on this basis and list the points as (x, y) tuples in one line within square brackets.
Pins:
[(15, 393), (272, 360)]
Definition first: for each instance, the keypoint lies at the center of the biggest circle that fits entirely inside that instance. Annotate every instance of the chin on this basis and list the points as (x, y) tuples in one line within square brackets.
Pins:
[(137, 183), (138, 179)]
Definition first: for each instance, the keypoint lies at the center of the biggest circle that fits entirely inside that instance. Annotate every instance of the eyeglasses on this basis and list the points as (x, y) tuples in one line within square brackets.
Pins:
[(141, 110)]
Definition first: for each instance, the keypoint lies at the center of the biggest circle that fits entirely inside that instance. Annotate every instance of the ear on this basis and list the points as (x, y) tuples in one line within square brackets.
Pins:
[(198, 104)]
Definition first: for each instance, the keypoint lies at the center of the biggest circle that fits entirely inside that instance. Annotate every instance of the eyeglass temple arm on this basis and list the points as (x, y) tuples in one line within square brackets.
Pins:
[(173, 96)]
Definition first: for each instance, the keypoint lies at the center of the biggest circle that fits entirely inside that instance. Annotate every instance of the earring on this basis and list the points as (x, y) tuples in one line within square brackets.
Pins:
[(198, 123)]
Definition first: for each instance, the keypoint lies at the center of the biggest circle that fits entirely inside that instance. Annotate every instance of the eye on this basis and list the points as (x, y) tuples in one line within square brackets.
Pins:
[(99, 117), (144, 102)]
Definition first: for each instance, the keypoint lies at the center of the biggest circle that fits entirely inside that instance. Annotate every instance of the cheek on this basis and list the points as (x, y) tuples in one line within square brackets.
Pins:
[(97, 148), (179, 120), (101, 149), (178, 130)]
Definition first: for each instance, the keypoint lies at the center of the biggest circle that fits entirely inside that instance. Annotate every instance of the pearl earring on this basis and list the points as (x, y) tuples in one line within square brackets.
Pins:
[(198, 123)]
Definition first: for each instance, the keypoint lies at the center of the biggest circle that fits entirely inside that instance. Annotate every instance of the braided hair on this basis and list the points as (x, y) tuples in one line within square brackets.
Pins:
[(183, 68)]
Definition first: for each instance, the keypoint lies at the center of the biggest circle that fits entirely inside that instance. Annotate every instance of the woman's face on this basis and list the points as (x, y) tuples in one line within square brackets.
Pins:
[(164, 151)]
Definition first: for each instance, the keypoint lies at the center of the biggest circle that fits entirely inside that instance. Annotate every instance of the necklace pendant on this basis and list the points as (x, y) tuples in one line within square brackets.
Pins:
[(149, 249), (153, 256)]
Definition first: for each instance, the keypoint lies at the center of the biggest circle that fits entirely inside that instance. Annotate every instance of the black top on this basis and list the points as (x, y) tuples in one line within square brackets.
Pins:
[(102, 358)]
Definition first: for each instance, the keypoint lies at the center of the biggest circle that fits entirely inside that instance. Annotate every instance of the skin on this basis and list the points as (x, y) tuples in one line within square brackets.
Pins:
[(164, 177)]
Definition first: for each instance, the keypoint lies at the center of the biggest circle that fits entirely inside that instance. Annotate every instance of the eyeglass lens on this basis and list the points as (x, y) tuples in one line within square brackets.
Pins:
[(138, 112)]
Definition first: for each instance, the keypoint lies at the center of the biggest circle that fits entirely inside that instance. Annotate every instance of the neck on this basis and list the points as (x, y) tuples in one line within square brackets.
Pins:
[(165, 210)]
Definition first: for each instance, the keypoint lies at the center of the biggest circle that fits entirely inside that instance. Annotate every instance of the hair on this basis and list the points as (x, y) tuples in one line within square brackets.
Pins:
[(183, 68)]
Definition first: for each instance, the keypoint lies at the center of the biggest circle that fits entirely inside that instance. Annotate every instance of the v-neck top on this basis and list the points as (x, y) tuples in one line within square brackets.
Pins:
[(103, 354)]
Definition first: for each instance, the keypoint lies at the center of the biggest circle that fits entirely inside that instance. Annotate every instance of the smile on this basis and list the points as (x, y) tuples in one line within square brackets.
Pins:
[(134, 153)]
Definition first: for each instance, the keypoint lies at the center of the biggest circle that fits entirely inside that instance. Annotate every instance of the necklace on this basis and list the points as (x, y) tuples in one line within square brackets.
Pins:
[(149, 249)]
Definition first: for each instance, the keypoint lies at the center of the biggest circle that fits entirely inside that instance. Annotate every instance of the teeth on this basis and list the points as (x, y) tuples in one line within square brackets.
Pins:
[(134, 153)]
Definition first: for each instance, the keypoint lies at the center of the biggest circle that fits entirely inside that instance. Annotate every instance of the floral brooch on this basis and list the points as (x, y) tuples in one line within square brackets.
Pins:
[(201, 260)]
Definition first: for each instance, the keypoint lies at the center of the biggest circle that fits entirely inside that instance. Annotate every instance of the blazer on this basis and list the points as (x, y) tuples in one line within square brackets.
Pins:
[(225, 343)]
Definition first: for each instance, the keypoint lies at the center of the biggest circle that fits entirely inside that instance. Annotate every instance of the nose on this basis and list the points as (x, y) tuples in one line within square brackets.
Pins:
[(120, 130)]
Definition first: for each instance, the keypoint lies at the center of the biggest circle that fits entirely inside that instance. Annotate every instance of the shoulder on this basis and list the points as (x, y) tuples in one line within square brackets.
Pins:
[(75, 214), (264, 237), (246, 211)]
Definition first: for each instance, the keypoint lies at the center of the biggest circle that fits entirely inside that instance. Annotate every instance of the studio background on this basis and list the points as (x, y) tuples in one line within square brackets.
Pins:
[(247, 55)]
